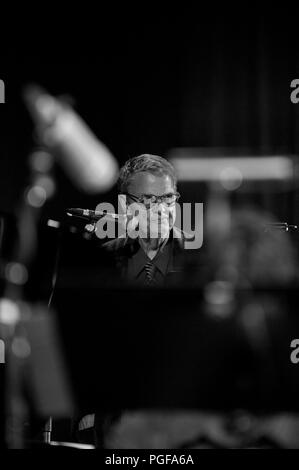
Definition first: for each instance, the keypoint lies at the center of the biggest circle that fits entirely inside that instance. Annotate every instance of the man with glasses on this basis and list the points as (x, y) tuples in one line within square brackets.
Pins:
[(154, 258), (149, 187)]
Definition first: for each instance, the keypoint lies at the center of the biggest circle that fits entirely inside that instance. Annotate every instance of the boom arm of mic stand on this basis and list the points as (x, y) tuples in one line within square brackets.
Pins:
[(281, 226)]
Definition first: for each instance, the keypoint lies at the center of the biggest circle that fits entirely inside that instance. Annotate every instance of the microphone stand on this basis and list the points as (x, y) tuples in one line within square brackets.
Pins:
[(47, 431), (13, 306)]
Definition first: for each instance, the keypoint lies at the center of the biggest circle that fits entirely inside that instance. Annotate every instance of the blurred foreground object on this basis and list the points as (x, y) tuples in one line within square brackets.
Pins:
[(248, 255), (36, 385), (224, 357), (230, 171), (87, 161), (227, 178)]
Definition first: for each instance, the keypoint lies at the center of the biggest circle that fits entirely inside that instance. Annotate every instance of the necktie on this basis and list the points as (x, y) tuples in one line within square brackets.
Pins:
[(149, 272)]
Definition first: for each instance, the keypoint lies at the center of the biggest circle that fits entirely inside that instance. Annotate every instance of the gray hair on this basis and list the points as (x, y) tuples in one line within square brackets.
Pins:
[(145, 162)]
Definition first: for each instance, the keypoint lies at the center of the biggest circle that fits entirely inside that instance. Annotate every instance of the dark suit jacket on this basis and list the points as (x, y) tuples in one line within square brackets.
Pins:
[(122, 249)]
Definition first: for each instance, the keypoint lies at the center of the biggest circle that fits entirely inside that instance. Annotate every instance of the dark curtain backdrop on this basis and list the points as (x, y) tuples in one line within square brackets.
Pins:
[(158, 81)]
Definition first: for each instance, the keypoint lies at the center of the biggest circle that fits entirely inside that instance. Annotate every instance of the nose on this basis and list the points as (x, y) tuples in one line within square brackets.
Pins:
[(159, 209)]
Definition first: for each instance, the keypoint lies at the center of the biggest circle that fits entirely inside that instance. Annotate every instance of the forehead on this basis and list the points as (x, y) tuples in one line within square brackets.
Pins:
[(149, 183)]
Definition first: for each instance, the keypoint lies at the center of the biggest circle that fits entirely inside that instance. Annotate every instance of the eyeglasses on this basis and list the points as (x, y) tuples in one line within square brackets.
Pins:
[(148, 199)]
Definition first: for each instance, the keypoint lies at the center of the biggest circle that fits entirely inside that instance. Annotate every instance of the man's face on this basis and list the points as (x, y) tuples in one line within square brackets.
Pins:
[(160, 218)]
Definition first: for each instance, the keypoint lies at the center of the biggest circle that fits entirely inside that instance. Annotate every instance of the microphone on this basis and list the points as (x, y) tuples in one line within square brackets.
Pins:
[(87, 161), (93, 215), (281, 226)]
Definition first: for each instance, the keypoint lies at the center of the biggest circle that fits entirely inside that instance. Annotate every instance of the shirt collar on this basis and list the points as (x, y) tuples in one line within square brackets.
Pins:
[(160, 261)]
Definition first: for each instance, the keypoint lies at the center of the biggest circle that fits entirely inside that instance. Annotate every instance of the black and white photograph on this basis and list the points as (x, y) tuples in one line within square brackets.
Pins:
[(149, 234)]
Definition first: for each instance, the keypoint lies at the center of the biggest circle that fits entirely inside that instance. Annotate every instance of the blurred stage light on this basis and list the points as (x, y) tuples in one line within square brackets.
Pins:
[(86, 160), (191, 165)]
